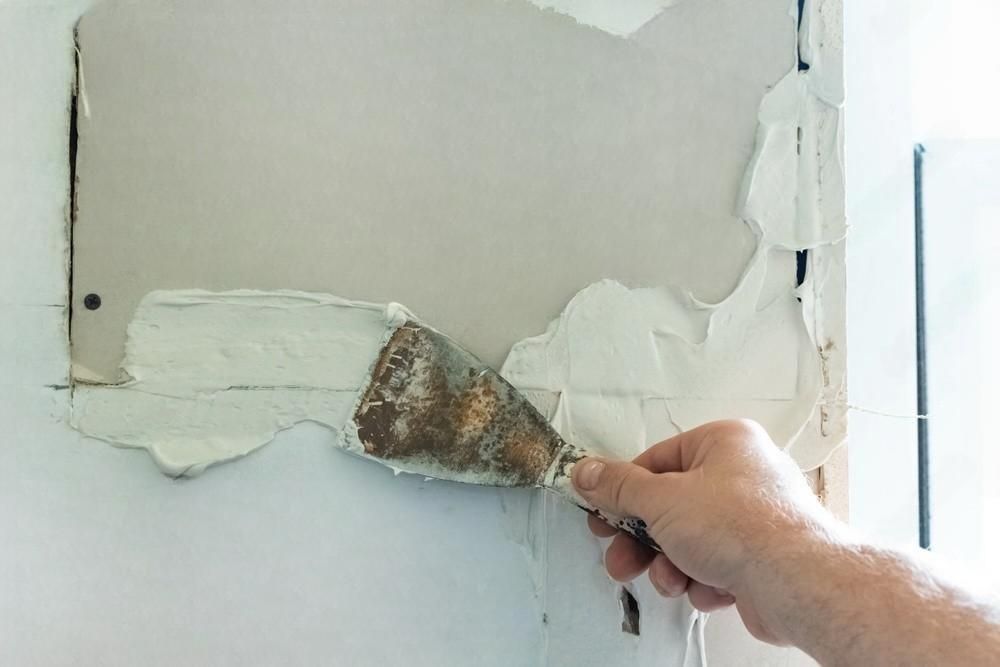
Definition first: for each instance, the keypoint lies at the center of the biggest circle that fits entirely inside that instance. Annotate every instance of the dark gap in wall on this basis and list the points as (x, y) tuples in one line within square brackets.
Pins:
[(801, 256), (73, 142), (803, 65), (630, 612)]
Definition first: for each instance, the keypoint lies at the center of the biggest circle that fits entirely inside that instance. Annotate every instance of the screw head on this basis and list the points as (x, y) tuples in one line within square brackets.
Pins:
[(92, 302)]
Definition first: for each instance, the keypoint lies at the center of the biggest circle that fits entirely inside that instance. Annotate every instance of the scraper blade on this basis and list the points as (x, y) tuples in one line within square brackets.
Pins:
[(432, 408)]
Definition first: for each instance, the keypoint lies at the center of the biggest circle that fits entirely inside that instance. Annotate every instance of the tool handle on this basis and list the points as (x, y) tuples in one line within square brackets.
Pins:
[(560, 481)]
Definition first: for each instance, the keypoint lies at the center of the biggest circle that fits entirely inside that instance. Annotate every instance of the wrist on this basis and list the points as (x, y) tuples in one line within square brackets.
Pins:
[(792, 542), (791, 569)]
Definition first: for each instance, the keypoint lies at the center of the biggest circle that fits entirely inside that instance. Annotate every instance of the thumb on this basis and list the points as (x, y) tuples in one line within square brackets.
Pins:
[(619, 487)]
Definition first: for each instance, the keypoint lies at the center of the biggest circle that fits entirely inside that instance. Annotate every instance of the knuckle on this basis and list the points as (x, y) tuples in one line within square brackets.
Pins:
[(744, 427), (739, 434)]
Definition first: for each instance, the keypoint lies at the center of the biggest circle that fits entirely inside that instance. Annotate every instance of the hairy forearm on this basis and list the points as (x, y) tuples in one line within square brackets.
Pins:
[(849, 603)]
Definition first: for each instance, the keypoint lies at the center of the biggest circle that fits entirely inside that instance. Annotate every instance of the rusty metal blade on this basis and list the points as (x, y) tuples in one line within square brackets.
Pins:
[(434, 409)]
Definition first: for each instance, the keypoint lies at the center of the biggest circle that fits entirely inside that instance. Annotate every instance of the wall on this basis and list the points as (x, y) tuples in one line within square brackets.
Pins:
[(271, 559)]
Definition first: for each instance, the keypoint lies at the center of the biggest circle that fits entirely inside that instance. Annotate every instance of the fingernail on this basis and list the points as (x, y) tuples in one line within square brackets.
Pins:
[(669, 589), (723, 593), (589, 475), (658, 585), (675, 589)]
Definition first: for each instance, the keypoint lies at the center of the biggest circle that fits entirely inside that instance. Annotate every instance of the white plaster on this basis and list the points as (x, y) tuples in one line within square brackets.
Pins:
[(213, 376), (796, 157), (617, 357), (800, 141), (617, 17)]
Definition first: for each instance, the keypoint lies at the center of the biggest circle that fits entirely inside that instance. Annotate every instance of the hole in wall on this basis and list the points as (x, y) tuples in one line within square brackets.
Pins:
[(803, 65), (630, 612), (801, 266)]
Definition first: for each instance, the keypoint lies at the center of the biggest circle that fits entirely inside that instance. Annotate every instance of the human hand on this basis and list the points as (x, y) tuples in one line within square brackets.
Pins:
[(718, 500)]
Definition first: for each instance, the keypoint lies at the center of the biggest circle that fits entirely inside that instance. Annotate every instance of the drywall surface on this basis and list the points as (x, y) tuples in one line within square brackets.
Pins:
[(292, 555), (475, 152)]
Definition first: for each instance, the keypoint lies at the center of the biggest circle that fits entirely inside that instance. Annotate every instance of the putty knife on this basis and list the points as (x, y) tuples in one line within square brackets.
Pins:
[(433, 409)]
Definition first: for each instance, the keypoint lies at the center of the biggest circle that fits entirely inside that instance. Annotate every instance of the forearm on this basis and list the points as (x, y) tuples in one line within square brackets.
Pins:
[(849, 603), (738, 523)]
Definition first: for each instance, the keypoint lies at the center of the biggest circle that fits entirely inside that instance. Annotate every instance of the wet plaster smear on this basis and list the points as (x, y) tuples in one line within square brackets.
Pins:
[(213, 376)]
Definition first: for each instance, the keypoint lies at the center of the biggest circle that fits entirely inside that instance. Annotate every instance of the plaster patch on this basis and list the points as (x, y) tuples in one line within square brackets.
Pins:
[(796, 146), (213, 376), (612, 16), (625, 362)]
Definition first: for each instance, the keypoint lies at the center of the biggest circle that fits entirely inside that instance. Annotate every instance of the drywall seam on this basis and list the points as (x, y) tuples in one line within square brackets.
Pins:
[(824, 292)]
